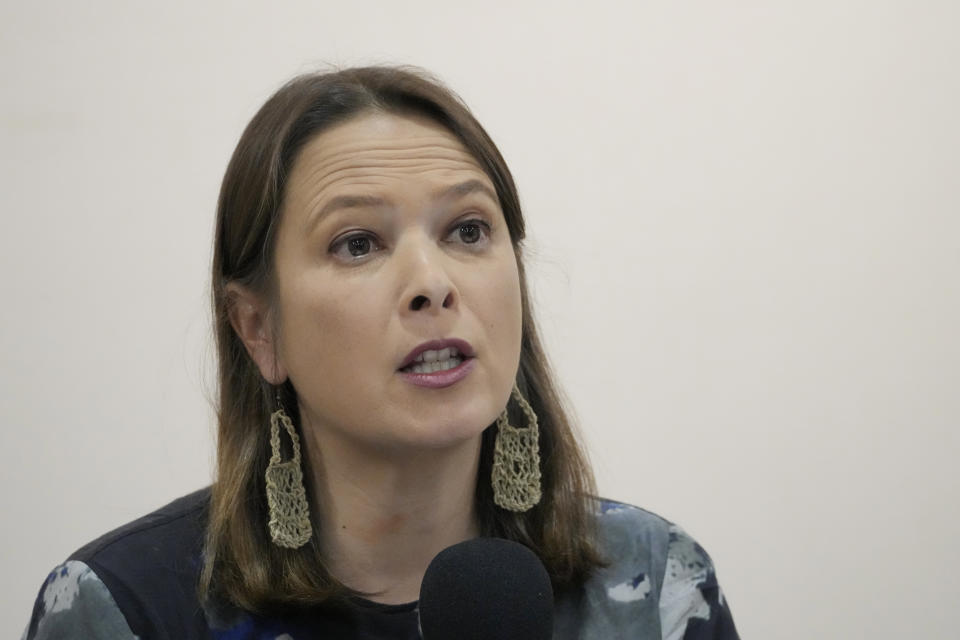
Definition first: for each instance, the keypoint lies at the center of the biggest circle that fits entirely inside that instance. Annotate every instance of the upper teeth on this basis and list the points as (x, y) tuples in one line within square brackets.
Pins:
[(435, 360), (432, 355)]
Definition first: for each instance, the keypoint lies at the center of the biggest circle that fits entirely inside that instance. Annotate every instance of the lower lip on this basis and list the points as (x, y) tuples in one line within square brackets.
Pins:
[(440, 379)]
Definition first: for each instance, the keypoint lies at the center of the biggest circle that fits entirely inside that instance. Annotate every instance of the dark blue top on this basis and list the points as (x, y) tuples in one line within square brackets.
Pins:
[(140, 581)]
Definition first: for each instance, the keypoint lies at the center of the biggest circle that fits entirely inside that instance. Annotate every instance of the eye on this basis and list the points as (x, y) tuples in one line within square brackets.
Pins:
[(358, 246), (472, 231), (355, 246)]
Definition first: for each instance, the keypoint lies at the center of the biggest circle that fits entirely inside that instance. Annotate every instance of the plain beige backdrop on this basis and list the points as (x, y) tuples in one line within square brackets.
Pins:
[(745, 239)]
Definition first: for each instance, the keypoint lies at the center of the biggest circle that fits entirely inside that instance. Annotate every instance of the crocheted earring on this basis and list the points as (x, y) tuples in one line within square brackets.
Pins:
[(516, 460), (286, 498)]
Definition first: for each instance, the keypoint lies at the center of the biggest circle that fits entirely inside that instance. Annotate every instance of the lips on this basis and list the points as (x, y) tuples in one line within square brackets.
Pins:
[(462, 347)]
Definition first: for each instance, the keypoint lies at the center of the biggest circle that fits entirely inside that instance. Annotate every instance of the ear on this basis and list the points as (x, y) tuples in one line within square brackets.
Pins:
[(251, 319)]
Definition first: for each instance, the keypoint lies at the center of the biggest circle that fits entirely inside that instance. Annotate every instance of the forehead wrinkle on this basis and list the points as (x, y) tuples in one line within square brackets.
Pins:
[(399, 167), (376, 158), (348, 174), (362, 181), (324, 163), (321, 177), (314, 203), (354, 142), (362, 176)]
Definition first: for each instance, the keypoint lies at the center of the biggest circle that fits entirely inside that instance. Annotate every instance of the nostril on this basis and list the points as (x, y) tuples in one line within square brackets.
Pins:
[(419, 303)]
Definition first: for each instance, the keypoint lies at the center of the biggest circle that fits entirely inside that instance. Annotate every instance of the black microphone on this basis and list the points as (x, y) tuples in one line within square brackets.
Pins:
[(486, 589)]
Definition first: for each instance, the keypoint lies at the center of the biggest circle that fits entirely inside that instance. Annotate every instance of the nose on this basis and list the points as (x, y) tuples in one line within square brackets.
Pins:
[(427, 286)]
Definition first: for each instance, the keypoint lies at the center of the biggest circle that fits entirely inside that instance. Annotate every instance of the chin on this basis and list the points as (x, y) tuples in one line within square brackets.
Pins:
[(450, 430), (445, 436)]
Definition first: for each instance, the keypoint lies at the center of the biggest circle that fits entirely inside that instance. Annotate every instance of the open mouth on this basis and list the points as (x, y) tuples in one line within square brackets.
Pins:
[(433, 360)]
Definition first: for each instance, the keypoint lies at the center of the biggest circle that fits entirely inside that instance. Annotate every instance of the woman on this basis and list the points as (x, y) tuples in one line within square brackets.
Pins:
[(383, 396)]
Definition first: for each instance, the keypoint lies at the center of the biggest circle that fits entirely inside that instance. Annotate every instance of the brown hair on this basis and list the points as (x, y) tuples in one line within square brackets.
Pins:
[(242, 565)]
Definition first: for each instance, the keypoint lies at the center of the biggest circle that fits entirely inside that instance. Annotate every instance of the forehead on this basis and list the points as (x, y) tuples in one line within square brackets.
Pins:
[(378, 151)]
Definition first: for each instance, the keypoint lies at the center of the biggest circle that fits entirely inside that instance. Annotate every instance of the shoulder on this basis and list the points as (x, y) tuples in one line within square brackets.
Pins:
[(658, 582), (74, 603), (626, 530), (635, 543), (692, 604), (144, 574), (158, 539)]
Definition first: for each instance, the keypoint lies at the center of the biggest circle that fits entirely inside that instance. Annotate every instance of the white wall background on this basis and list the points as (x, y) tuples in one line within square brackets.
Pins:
[(745, 219)]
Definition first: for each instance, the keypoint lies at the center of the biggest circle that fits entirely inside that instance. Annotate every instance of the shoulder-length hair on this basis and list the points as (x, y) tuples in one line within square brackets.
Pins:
[(241, 565)]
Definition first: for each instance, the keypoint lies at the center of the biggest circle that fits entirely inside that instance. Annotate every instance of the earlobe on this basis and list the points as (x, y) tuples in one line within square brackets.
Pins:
[(250, 318)]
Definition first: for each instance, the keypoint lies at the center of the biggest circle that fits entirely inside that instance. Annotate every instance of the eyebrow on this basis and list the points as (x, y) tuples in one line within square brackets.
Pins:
[(464, 189), (452, 192), (348, 202)]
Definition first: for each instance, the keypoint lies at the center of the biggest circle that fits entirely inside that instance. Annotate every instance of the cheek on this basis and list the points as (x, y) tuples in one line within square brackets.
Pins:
[(328, 327), (501, 309)]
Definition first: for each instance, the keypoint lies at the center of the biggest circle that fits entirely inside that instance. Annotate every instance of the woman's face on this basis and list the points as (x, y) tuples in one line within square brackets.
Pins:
[(392, 237)]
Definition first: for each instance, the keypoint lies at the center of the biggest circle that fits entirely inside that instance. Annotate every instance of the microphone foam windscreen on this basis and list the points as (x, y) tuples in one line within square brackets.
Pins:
[(486, 589)]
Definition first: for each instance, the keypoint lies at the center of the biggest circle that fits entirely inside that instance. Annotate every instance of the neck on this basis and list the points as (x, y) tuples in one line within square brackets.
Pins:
[(385, 515)]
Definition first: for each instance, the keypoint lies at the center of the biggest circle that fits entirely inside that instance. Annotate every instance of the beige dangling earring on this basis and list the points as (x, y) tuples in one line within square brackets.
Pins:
[(286, 498), (516, 460)]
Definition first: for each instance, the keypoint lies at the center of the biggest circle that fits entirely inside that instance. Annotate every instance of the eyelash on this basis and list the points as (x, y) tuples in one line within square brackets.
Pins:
[(343, 242)]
